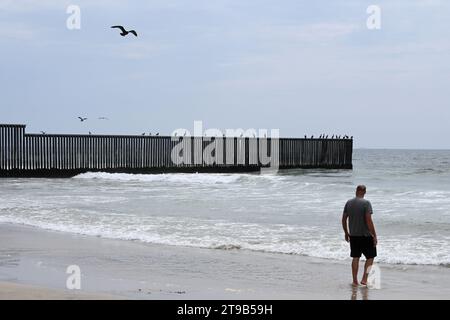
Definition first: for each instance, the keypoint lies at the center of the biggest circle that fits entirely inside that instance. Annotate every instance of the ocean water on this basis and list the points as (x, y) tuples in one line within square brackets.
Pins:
[(291, 212)]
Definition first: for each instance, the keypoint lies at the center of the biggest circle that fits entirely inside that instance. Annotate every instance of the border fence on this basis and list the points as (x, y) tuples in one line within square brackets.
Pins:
[(61, 155)]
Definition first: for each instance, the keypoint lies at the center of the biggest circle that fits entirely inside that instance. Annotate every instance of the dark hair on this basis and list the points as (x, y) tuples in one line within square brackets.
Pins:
[(361, 188)]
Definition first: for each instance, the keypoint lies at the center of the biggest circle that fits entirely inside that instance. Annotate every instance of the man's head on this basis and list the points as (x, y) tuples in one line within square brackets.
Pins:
[(360, 191)]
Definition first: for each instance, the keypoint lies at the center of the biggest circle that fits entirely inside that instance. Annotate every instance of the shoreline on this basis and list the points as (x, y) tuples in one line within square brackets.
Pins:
[(33, 265)]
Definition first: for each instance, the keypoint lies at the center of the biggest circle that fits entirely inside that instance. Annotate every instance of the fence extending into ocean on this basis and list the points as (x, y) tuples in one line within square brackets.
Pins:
[(64, 155)]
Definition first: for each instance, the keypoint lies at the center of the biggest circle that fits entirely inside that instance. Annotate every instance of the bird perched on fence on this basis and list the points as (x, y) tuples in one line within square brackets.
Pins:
[(90, 133), (157, 134), (124, 32), (143, 134), (43, 132), (82, 119)]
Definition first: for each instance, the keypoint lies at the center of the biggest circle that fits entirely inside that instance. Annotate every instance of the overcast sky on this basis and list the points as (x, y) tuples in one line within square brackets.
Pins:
[(304, 67)]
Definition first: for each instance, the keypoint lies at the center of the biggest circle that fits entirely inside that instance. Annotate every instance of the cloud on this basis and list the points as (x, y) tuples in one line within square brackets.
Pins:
[(137, 51), (42, 5), (295, 35), (16, 31), (31, 5)]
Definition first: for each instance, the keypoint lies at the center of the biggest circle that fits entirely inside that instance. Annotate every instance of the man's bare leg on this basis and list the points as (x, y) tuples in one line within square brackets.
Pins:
[(355, 266), (367, 265)]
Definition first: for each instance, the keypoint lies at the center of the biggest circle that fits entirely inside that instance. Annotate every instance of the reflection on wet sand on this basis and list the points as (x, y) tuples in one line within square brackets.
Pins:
[(363, 291)]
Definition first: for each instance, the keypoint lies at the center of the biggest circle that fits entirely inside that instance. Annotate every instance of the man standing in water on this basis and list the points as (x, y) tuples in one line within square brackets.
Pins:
[(362, 235)]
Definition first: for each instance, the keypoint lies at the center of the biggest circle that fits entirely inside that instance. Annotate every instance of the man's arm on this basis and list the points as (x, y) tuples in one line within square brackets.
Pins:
[(344, 225), (371, 227)]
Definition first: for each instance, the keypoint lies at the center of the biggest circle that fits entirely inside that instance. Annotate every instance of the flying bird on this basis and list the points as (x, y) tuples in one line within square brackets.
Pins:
[(124, 32), (82, 119)]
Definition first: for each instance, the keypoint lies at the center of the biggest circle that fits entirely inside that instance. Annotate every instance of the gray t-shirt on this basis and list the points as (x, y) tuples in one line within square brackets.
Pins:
[(356, 210)]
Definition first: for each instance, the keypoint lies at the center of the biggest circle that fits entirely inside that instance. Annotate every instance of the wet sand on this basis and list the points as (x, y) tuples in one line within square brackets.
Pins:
[(15, 291), (33, 264)]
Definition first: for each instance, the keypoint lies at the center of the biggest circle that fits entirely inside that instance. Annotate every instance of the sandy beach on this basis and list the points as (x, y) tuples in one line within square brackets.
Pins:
[(33, 265), (15, 291)]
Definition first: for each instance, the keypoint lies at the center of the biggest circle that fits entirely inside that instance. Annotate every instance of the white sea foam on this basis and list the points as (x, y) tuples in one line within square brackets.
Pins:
[(197, 178), (272, 239)]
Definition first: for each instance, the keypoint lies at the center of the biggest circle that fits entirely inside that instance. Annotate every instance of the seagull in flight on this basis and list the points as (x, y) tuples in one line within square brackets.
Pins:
[(82, 119), (124, 32)]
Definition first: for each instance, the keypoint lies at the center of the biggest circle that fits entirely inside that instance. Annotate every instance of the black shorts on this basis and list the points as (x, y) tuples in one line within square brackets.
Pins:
[(362, 245)]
